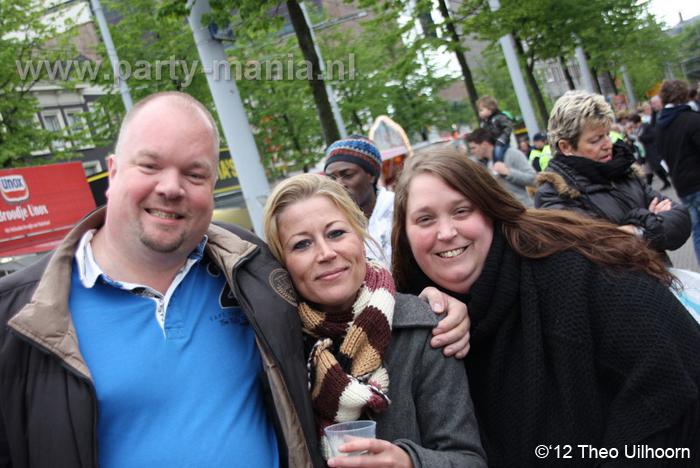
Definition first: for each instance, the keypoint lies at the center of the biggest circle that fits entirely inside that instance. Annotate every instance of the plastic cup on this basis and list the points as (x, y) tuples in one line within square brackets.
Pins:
[(340, 433)]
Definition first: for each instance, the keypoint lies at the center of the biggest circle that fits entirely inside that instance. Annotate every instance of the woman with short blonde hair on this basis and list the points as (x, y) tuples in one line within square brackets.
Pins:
[(594, 177)]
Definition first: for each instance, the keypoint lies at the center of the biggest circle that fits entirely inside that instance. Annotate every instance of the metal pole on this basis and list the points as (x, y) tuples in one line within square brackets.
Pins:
[(516, 77), (111, 53), (585, 73), (322, 66), (234, 120), (628, 86)]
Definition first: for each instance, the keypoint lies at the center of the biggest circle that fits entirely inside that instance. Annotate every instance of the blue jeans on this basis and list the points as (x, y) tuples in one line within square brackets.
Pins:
[(498, 151), (692, 203)]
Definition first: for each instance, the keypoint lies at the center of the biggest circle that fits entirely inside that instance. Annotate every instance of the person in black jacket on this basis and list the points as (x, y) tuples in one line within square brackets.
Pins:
[(678, 141), (496, 122), (578, 344), (592, 176), (646, 134)]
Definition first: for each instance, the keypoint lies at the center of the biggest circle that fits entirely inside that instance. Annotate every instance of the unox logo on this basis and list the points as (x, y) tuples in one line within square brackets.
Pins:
[(14, 188)]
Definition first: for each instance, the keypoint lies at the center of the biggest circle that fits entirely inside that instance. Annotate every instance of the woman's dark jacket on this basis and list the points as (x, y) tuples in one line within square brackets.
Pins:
[(678, 141), (623, 199), (565, 352)]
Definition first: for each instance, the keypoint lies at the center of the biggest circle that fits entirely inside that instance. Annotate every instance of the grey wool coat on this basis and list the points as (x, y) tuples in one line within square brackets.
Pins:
[(431, 415)]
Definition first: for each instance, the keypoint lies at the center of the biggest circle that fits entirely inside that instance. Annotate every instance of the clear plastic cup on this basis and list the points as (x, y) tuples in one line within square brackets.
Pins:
[(340, 433)]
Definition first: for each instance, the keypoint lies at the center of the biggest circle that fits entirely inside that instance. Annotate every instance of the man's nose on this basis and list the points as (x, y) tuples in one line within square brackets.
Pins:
[(170, 185)]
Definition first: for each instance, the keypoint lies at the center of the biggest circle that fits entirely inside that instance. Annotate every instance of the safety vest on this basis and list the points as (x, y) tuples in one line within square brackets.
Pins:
[(544, 155), (615, 136)]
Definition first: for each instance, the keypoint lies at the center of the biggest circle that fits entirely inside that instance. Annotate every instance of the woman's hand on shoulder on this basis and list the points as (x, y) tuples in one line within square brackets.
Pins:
[(452, 332), (383, 454)]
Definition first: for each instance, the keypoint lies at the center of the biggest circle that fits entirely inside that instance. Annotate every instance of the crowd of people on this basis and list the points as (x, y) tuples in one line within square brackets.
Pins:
[(477, 325)]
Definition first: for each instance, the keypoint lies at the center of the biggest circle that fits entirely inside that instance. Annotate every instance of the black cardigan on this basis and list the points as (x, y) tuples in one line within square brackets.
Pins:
[(565, 352)]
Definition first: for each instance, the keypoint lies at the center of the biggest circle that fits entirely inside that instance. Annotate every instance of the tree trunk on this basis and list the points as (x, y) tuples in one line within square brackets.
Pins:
[(534, 87), (612, 82), (291, 131), (357, 121), (414, 114), (567, 75), (329, 126), (466, 72), (594, 76), (596, 81)]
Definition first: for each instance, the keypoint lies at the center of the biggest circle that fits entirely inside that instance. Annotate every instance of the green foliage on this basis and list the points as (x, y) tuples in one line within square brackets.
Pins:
[(27, 45), (156, 53), (612, 32), (493, 78), (275, 90), (397, 77), (646, 53), (687, 43)]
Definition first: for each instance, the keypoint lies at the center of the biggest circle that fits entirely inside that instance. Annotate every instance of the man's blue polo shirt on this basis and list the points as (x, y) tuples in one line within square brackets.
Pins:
[(176, 375)]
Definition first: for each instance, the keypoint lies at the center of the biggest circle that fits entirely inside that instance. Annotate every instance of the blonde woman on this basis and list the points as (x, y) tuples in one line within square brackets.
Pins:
[(369, 352)]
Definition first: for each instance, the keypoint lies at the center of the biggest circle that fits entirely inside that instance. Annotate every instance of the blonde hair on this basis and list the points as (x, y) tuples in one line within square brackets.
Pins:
[(302, 187), (574, 111)]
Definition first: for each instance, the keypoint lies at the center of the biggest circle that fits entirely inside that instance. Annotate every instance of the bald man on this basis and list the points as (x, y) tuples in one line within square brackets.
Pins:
[(152, 337)]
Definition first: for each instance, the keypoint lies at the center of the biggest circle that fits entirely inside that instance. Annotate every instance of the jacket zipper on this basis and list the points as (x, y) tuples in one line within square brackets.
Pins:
[(79, 376), (239, 296)]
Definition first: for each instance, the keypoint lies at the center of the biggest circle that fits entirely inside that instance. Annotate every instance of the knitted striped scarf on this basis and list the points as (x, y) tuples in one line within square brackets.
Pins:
[(351, 380)]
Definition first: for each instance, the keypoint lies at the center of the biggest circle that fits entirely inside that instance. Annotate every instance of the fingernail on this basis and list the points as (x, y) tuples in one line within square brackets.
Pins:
[(437, 307), (438, 330), (449, 350), (438, 343)]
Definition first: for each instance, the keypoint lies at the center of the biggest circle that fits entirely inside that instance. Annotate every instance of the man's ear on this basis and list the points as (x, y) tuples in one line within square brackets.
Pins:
[(112, 169)]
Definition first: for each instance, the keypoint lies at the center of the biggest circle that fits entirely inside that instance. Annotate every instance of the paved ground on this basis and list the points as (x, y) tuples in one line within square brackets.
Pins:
[(684, 257)]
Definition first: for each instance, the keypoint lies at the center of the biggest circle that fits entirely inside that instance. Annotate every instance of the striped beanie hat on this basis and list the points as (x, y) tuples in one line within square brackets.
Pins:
[(356, 149)]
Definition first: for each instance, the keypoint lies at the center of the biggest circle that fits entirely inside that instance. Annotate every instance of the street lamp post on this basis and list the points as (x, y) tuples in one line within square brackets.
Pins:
[(234, 120), (516, 77)]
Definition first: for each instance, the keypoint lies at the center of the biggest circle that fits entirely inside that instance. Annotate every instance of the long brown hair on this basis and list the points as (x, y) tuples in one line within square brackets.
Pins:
[(531, 233)]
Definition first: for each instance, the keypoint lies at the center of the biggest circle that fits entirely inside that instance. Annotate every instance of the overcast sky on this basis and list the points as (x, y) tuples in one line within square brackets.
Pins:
[(667, 10)]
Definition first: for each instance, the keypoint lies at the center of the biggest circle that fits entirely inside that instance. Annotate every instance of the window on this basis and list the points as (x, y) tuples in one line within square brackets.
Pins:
[(54, 123), (558, 74), (575, 71), (77, 126), (92, 167), (75, 122), (549, 75)]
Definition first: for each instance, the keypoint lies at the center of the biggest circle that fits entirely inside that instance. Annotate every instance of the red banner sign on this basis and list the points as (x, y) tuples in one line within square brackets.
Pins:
[(39, 205)]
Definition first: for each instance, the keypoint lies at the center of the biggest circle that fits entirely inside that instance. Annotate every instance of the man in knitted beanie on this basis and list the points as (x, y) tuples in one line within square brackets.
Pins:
[(356, 163)]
